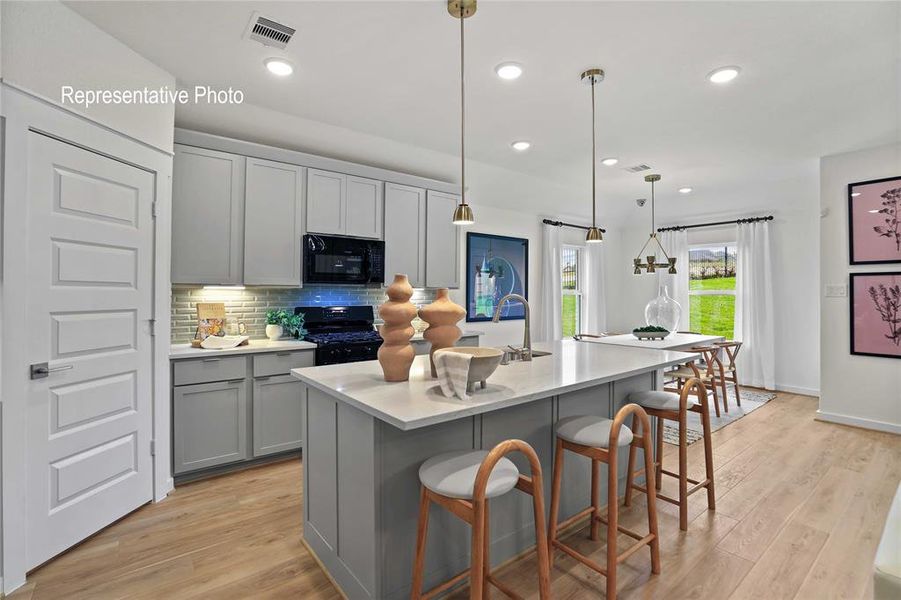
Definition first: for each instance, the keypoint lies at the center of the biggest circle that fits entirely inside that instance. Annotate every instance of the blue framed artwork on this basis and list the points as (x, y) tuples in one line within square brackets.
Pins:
[(496, 265)]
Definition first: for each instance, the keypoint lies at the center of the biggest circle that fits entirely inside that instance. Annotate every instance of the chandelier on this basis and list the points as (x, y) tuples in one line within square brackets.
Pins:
[(651, 265)]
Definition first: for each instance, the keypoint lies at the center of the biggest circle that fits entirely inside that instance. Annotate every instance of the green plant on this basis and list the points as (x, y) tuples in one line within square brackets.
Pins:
[(293, 325), (276, 317), (650, 329)]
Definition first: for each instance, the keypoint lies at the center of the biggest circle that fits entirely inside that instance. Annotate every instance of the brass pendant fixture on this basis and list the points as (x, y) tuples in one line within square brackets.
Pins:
[(462, 9), (652, 265), (594, 235)]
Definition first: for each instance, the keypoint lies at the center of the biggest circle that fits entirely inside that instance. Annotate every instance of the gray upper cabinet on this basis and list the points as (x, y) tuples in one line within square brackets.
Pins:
[(207, 216), (363, 208), (277, 414), (326, 194), (273, 223), (442, 241), (405, 216)]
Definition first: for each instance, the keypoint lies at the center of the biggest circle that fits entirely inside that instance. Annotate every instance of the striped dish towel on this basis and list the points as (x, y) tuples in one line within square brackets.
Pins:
[(453, 373)]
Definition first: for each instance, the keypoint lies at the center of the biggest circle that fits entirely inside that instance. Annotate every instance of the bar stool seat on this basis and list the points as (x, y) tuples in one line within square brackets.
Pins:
[(453, 474), (589, 430), (658, 399)]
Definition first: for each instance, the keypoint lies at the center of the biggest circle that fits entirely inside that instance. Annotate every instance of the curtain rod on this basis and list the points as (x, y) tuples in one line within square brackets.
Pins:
[(562, 224), (735, 222)]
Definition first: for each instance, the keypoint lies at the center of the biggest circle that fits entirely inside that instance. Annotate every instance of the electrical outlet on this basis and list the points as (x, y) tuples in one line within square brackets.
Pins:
[(836, 290)]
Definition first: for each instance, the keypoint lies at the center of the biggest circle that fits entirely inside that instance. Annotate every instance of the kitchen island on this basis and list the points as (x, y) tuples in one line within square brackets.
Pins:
[(365, 440)]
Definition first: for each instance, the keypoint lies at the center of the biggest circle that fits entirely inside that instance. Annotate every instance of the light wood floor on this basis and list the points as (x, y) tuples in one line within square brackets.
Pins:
[(800, 510)]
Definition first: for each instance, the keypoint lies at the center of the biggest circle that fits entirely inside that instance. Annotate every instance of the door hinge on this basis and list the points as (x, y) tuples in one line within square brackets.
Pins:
[(153, 209), (152, 447), (152, 325)]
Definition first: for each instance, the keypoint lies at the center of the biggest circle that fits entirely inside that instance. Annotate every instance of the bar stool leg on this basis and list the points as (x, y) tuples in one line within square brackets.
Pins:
[(658, 458), (557, 478), (683, 474), (477, 565), (708, 456), (595, 499), (630, 474), (486, 559), (421, 531), (652, 501), (612, 523), (541, 544)]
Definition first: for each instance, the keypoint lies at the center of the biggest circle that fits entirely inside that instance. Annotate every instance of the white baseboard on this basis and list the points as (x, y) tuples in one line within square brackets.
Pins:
[(793, 389), (859, 422)]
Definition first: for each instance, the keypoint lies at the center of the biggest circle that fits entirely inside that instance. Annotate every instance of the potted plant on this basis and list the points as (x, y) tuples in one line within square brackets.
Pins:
[(293, 324), (274, 324)]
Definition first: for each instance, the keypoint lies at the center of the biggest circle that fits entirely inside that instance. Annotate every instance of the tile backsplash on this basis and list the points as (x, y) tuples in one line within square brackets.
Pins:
[(250, 305)]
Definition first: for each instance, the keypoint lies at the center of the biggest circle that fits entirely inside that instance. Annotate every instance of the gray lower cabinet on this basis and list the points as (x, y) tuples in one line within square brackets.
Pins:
[(210, 425), (277, 414)]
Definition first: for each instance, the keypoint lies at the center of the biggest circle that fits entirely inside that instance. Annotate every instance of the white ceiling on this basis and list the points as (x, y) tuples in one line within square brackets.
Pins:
[(817, 78)]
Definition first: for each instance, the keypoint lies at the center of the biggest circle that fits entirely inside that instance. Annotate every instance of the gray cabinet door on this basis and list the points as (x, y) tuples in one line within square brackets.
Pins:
[(273, 223), (326, 202), (442, 240), (363, 208), (277, 414), (207, 216), (210, 425), (405, 233)]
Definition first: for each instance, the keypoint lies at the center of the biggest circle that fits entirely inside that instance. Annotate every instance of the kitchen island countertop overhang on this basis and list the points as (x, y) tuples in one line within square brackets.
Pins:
[(416, 403)]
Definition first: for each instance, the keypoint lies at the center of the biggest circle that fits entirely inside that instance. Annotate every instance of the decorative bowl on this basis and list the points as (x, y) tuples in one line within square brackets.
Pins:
[(650, 335), (484, 362)]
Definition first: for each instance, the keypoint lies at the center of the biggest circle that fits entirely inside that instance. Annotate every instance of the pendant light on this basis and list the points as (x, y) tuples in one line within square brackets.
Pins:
[(461, 9), (652, 265), (592, 77)]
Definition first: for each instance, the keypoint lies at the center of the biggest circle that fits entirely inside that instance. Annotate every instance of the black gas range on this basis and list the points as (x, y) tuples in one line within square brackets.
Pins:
[(342, 334)]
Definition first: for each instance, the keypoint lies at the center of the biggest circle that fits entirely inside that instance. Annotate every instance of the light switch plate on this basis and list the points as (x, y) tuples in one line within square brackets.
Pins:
[(836, 290)]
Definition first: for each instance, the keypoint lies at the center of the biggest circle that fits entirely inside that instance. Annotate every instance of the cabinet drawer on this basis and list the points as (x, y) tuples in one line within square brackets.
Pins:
[(204, 370), (281, 363)]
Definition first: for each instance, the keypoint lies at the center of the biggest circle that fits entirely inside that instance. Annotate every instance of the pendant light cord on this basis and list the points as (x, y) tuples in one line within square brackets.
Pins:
[(652, 209), (462, 115), (594, 201)]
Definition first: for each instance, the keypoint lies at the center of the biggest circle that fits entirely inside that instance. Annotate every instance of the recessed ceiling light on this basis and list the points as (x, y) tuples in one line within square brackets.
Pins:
[(723, 74), (685, 190), (855, 194), (508, 70), (609, 161), (521, 146), (278, 66)]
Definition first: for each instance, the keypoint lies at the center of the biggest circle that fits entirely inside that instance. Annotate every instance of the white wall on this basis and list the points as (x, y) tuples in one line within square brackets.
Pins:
[(856, 390), (794, 203), (46, 45)]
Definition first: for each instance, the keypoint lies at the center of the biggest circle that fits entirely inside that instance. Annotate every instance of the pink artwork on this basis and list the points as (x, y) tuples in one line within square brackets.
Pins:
[(876, 314), (874, 221)]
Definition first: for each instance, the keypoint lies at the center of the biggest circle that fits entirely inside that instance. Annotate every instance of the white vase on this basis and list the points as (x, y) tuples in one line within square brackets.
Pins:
[(663, 311), (274, 332)]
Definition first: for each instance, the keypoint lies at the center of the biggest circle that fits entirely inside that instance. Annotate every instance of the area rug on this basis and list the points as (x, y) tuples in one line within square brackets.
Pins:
[(751, 400)]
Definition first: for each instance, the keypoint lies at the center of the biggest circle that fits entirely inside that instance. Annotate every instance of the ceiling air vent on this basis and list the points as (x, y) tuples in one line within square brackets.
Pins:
[(637, 168), (268, 32)]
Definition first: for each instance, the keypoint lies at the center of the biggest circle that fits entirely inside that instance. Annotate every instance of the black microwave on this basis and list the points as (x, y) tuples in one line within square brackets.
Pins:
[(332, 259)]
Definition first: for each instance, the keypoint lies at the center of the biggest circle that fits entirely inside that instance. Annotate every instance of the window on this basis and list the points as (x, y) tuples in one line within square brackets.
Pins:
[(571, 276), (711, 289)]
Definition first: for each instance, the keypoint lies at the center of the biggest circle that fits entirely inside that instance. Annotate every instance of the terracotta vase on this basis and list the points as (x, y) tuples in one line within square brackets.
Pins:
[(396, 354), (442, 316)]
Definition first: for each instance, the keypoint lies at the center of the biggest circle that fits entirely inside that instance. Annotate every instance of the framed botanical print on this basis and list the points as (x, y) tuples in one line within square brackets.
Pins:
[(876, 314), (874, 221), (496, 265)]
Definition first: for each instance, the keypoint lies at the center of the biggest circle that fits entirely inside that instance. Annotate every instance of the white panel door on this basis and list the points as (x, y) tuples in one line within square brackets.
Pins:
[(442, 240), (364, 208), (405, 233), (325, 202), (89, 420), (273, 226)]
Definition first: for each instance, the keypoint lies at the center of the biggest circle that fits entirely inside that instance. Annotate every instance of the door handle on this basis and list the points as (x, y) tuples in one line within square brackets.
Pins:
[(42, 370)]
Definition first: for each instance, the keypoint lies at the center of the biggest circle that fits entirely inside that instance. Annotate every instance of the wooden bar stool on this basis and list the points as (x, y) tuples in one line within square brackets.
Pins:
[(731, 349), (710, 372), (462, 482), (598, 439), (674, 407)]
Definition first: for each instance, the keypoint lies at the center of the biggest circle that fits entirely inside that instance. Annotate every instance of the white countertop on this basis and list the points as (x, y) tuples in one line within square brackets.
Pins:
[(420, 403), (674, 341), (180, 351)]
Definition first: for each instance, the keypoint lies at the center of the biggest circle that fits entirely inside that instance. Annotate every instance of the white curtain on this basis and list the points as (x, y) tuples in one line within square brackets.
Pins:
[(550, 325), (594, 302), (676, 245), (754, 305)]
